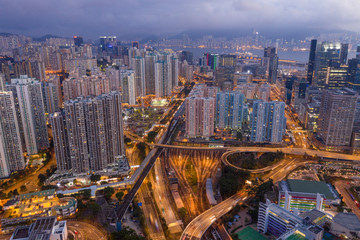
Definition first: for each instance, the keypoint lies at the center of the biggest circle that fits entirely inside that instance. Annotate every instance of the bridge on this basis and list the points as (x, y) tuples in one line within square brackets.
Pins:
[(198, 226), (291, 151)]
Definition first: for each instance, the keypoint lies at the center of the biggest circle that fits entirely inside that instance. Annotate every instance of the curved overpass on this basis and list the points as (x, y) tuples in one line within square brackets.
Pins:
[(197, 227), (224, 159), (292, 151)]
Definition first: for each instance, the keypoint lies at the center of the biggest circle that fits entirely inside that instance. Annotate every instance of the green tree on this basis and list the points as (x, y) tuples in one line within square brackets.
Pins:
[(60, 195), (108, 192), (239, 136), (95, 178), (142, 150), (15, 192), (94, 207), (183, 213), (41, 178), (232, 180), (125, 234), (10, 194), (86, 193), (127, 140), (23, 188), (151, 136), (120, 195)]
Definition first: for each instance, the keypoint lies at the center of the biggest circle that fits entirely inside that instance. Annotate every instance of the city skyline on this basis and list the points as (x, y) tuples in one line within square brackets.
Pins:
[(92, 19)]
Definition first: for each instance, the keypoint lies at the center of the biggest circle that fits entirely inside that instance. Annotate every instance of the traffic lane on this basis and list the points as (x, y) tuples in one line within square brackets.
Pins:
[(85, 231), (5, 237), (200, 224), (344, 189)]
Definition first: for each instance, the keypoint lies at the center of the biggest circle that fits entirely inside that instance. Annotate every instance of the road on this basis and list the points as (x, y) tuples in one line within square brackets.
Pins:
[(291, 151), (344, 189), (31, 181), (149, 161), (224, 159), (201, 223), (197, 227), (150, 213), (84, 231), (292, 123), (163, 198)]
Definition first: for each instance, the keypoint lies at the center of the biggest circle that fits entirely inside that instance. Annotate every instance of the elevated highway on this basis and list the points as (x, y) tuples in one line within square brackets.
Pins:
[(292, 151)]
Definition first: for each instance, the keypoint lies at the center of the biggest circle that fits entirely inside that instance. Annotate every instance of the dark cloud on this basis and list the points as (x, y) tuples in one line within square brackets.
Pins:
[(92, 18)]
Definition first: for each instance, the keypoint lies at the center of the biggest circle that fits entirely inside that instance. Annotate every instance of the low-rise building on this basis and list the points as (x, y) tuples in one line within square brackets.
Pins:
[(346, 224), (46, 228), (303, 195), (31, 206)]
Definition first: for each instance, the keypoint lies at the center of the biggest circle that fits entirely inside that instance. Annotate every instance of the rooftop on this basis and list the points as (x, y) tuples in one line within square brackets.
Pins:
[(37, 194), (296, 236), (348, 220), (21, 232), (313, 215), (305, 186), (249, 233)]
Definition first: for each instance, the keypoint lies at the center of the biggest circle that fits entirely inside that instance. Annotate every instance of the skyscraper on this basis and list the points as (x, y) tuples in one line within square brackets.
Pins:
[(11, 155), (2, 82), (135, 44), (199, 116), (298, 93), (174, 65), (268, 122), (311, 65), (230, 110), (162, 81), (270, 61), (150, 73), (30, 109), (211, 60), (325, 54), (61, 143), (51, 97), (139, 69), (93, 132), (336, 118), (108, 43), (128, 87), (353, 79), (78, 41)]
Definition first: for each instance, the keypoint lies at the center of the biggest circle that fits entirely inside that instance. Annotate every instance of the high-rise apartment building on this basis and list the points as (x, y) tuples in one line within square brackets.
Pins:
[(92, 128), (128, 87), (150, 60), (268, 122), (230, 110), (199, 116), (336, 118), (138, 64), (51, 97), (2, 82), (30, 110), (61, 143), (11, 155), (162, 80)]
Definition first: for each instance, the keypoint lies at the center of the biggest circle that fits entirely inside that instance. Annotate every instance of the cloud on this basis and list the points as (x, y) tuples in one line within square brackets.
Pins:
[(92, 18)]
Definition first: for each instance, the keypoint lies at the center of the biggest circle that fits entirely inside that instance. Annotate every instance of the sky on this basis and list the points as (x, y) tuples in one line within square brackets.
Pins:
[(141, 18)]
